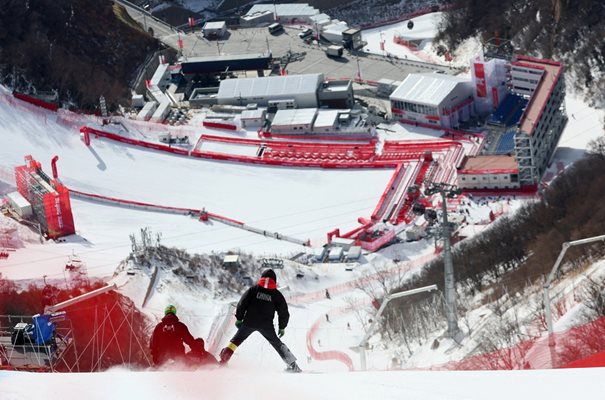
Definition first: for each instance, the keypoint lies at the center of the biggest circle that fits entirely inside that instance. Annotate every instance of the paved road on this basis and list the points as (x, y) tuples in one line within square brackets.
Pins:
[(258, 40)]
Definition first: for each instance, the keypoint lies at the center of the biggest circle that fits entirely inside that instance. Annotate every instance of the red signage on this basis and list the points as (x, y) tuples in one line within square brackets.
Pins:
[(495, 96), (480, 77)]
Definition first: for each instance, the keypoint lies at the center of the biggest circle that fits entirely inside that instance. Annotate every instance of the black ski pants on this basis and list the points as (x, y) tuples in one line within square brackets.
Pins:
[(268, 333)]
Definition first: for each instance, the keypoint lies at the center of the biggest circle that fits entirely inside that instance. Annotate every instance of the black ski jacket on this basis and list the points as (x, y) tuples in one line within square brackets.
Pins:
[(258, 305)]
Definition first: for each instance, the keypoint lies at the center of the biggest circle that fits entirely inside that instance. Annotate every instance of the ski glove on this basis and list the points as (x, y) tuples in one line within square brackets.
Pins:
[(281, 332), (238, 323)]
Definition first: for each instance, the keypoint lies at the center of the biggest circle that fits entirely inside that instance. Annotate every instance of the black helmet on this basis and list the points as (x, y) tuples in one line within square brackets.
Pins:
[(269, 273)]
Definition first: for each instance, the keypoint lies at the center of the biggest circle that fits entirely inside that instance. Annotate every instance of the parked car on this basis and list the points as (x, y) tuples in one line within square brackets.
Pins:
[(305, 33)]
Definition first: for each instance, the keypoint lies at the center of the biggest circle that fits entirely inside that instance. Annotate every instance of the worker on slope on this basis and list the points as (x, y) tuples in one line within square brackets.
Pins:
[(255, 312), (198, 356), (168, 338)]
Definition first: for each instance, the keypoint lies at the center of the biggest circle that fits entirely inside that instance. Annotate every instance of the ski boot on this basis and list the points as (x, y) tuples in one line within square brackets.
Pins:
[(224, 356), (293, 367)]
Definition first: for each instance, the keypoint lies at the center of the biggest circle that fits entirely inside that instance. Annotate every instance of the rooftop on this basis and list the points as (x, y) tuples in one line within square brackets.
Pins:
[(215, 25), (489, 164), (336, 86), (430, 89), (225, 57), (301, 116), (552, 71), (320, 18), (253, 114), (285, 10), (158, 75), (326, 118), (337, 27), (269, 86)]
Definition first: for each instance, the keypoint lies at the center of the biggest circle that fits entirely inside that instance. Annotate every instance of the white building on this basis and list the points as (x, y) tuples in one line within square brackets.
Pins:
[(19, 204), (544, 118), (299, 90), (333, 31), (435, 99), (326, 121), (147, 111), (489, 172), (489, 81), (214, 29), (159, 83), (293, 121), (318, 21), (262, 17), (161, 112), (287, 12), (253, 118)]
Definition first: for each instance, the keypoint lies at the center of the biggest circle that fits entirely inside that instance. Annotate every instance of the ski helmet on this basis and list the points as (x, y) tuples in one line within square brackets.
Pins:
[(269, 273), (170, 310)]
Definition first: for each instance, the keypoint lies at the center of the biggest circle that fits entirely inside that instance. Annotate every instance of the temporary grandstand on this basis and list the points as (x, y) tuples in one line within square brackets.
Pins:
[(509, 112)]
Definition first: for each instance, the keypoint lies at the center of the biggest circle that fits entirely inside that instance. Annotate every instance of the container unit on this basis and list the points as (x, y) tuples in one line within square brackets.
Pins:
[(147, 111), (19, 204), (334, 51)]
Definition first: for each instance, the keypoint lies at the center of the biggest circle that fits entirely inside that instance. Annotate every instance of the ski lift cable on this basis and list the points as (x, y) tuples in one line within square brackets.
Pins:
[(212, 230)]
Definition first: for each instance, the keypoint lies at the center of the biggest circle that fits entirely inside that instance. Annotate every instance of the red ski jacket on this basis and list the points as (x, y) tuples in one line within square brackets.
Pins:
[(168, 338)]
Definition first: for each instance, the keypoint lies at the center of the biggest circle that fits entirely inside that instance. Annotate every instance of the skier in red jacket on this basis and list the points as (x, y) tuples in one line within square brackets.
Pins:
[(255, 312), (168, 338)]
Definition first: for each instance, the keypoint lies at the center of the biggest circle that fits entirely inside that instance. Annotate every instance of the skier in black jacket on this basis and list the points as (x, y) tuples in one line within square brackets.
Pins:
[(255, 312)]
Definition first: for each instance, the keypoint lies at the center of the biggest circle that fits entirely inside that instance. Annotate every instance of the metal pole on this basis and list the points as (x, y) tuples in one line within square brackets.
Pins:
[(387, 299), (547, 309), (450, 290)]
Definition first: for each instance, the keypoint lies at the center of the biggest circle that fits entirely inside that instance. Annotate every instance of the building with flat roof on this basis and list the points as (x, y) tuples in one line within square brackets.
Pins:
[(287, 12), (435, 99), (225, 62), (489, 172), (293, 121), (257, 18), (336, 94), (214, 29), (301, 89), (333, 32), (544, 118), (320, 122)]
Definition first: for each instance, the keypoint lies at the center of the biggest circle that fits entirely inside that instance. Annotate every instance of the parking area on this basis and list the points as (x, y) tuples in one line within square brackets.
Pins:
[(259, 40)]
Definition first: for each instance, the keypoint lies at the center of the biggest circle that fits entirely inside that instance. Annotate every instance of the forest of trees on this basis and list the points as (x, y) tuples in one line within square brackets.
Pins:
[(77, 47), (571, 31), (516, 252)]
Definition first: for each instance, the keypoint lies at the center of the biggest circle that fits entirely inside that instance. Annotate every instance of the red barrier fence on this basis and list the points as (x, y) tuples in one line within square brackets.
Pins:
[(219, 125), (331, 355), (135, 142), (36, 101)]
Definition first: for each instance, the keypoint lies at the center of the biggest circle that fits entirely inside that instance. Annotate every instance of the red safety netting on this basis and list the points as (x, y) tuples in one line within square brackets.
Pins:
[(580, 346)]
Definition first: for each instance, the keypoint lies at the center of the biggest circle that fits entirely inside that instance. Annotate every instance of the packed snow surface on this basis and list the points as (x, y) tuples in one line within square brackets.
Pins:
[(250, 384)]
